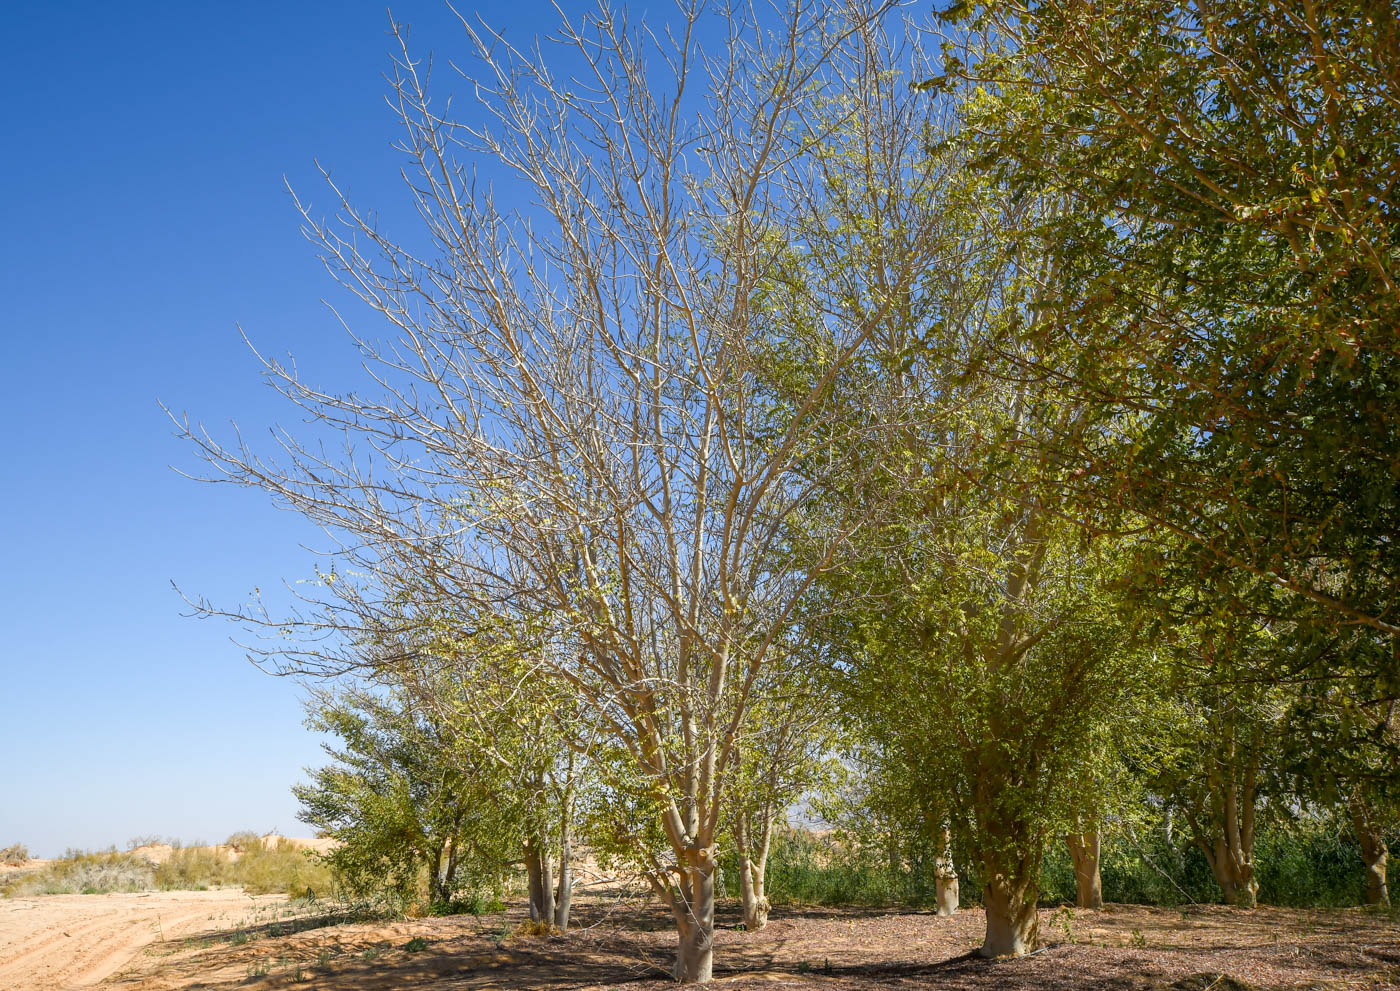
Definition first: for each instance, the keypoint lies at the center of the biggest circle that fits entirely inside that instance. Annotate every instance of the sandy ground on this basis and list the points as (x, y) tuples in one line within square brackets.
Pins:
[(627, 946), (66, 941)]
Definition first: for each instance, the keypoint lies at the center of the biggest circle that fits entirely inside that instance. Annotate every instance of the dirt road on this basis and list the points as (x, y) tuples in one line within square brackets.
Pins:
[(73, 941)]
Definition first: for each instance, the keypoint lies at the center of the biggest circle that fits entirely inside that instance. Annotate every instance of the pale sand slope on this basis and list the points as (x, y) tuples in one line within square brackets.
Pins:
[(66, 941)]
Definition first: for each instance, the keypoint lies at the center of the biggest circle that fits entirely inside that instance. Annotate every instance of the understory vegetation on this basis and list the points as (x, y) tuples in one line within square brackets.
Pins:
[(1309, 864)]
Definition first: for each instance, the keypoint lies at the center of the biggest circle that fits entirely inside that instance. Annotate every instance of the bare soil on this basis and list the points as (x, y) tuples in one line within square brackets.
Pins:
[(628, 945), (65, 941)]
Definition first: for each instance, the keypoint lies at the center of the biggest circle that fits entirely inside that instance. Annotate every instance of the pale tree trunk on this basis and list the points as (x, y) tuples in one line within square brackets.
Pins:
[(564, 894), (694, 911), (1084, 852), (946, 876), (532, 874), (753, 866), (1012, 847), (546, 881), (1374, 853), (541, 878)]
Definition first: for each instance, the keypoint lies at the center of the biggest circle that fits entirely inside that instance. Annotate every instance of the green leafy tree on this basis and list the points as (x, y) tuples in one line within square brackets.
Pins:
[(1223, 291), (1344, 743), (412, 817)]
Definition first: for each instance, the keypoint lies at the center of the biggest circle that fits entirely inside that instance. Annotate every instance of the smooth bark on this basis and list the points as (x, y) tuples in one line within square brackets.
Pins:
[(694, 911), (1230, 851), (540, 875), (753, 867), (564, 893), (1013, 924), (1084, 851), (751, 896), (1374, 853), (946, 877)]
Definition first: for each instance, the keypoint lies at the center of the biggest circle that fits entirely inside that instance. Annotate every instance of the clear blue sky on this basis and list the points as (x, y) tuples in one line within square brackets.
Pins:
[(142, 150)]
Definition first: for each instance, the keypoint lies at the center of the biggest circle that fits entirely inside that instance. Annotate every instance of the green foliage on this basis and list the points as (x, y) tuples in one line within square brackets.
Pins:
[(416, 815), (1310, 863), (1226, 269), (195, 867)]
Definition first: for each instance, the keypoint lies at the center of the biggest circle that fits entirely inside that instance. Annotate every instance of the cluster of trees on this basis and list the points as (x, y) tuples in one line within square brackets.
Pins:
[(990, 424)]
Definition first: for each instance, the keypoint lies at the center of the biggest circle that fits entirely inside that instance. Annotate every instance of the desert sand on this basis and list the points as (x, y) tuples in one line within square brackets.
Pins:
[(66, 941)]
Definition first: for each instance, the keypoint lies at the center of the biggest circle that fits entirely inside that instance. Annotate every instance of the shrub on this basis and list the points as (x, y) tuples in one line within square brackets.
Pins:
[(14, 855), (262, 869), (195, 867), (87, 873), (268, 868)]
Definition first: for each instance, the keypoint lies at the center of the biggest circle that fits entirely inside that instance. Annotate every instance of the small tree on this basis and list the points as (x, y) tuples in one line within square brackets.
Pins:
[(408, 811), (773, 768)]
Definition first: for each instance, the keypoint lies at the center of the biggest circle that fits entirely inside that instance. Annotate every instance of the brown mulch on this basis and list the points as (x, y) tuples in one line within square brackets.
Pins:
[(623, 945)]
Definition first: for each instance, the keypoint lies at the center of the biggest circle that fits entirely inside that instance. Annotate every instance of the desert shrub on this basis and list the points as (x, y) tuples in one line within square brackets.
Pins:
[(243, 841), (78, 872), (276, 867), (195, 868), (14, 855), (263, 868)]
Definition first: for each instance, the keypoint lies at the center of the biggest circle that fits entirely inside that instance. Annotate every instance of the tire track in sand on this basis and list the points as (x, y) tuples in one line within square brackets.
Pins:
[(78, 941)]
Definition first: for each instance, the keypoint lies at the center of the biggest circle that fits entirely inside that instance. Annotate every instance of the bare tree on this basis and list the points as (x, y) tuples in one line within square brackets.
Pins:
[(570, 430)]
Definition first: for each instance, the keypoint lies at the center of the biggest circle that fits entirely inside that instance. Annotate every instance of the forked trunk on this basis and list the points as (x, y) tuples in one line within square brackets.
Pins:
[(1373, 853), (541, 881), (1228, 841), (1084, 852), (1013, 925), (946, 877), (751, 894), (753, 868), (1236, 880), (1232, 864)]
